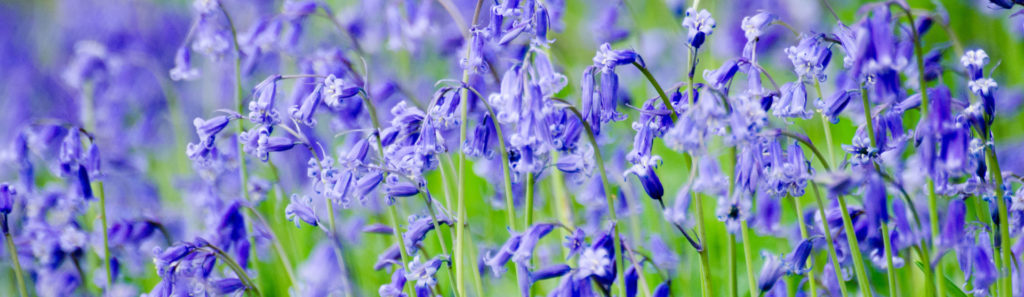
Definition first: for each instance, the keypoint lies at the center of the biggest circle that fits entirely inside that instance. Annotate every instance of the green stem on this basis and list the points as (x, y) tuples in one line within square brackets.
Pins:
[(1004, 231), (15, 264), (851, 238), (825, 125), (106, 242), (460, 282), (392, 211), (562, 206), (869, 124), (731, 250), (528, 218), (705, 266), (440, 236), (243, 171), (661, 92), (239, 271), (610, 198), (888, 260), (811, 286), (749, 256)]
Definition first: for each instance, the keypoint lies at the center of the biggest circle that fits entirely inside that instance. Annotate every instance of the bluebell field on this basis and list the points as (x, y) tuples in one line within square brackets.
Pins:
[(557, 148)]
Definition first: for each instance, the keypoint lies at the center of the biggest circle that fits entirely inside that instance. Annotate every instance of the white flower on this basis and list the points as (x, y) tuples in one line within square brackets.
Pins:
[(977, 58), (593, 262), (982, 85)]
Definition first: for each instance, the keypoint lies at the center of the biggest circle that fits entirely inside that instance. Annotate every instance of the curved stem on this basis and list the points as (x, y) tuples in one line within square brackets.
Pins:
[(278, 248), (661, 93), (610, 198), (1004, 232), (239, 271), (851, 239), (392, 211), (13, 250)]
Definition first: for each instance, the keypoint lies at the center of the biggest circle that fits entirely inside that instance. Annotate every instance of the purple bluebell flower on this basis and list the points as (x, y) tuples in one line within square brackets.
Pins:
[(417, 232), (337, 89), (836, 104), (953, 224), (524, 252), (699, 26), (183, 69), (394, 288), (754, 26), (775, 267), (300, 209), (575, 242), (498, 260), (423, 272), (7, 195), (305, 112), (810, 58), (721, 78), (733, 210), (974, 62), (261, 108), (793, 102), (875, 199)]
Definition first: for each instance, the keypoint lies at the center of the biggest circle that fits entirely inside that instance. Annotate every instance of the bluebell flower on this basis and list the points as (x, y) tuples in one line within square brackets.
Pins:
[(70, 151), (953, 224), (974, 62), (678, 213), (810, 57), (548, 272), (7, 195), (261, 108), (710, 179), (792, 102), (985, 88), (337, 89), (975, 257), (475, 62), (754, 26), (183, 69), (423, 272), (721, 78), (498, 260), (776, 267), (876, 205), (300, 209), (306, 111), (663, 290), (417, 232), (394, 288), (733, 210), (524, 252), (836, 104), (699, 26)]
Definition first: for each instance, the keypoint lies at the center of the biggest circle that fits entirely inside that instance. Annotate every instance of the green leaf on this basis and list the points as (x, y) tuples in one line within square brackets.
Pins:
[(921, 266), (952, 289)]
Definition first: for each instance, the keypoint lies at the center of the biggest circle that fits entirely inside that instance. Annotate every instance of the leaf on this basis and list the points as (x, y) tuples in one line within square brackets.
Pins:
[(952, 289), (921, 266)]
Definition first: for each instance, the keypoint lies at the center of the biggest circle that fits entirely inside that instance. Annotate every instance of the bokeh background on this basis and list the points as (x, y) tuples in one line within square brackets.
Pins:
[(143, 118)]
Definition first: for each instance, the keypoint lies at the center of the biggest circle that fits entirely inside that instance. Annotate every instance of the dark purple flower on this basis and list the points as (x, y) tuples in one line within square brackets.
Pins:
[(7, 194), (524, 252)]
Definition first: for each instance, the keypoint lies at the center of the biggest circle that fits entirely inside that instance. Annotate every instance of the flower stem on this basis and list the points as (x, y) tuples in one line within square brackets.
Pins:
[(528, 218), (749, 256), (440, 238), (851, 238), (705, 266), (13, 250), (239, 271), (562, 206), (731, 250), (460, 281), (825, 125), (1004, 231), (869, 124), (106, 241), (610, 198), (811, 286), (661, 93)]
